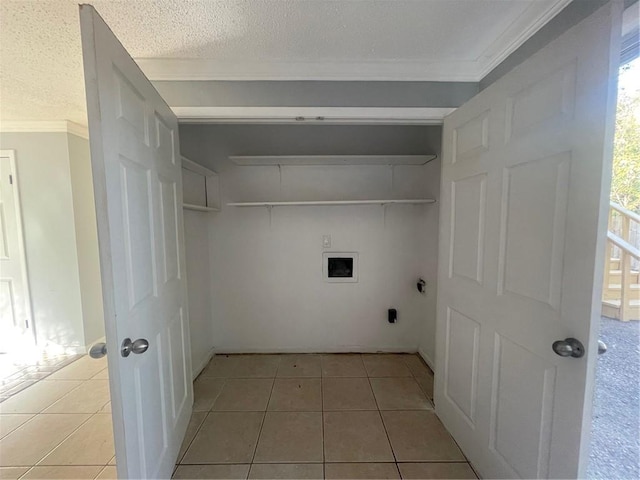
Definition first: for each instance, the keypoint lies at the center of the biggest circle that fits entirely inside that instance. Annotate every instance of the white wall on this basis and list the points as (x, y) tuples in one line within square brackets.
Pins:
[(49, 205), (266, 289), (196, 226), (84, 212)]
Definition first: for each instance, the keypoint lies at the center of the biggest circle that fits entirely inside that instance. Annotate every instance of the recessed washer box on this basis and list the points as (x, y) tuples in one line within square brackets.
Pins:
[(340, 267)]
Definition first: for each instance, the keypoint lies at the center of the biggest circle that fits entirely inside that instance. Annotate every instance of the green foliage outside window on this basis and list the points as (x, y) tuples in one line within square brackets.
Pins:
[(625, 184)]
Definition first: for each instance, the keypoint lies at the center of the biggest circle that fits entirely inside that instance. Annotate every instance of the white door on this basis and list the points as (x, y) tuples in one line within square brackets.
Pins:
[(15, 306), (525, 184), (138, 190)]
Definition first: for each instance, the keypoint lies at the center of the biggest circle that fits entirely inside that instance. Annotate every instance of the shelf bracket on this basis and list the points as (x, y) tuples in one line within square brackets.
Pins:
[(384, 214), (393, 177), (270, 210)]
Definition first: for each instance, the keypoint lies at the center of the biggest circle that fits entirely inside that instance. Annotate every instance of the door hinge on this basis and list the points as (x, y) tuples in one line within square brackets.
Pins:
[(11, 179), (26, 323)]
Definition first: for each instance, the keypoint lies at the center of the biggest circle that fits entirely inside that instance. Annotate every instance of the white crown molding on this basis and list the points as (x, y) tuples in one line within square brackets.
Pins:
[(36, 126), (202, 69), (536, 16), (199, 69), (77, 129), (329, 115)]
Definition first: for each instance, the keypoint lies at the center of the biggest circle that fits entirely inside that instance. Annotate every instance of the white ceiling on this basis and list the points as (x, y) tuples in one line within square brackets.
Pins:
[(456, 40)]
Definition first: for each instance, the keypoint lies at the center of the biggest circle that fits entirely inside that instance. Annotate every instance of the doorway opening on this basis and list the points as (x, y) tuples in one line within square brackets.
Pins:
[(615, 445), (16, 324)]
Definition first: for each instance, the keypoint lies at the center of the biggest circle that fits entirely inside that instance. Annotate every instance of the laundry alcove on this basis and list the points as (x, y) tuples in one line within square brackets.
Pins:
[(255, 267)]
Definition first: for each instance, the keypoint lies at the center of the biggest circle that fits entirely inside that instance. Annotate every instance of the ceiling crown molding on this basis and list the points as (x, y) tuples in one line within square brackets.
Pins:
[(55, 126), (202, 69), (522, 29), (312, 115)]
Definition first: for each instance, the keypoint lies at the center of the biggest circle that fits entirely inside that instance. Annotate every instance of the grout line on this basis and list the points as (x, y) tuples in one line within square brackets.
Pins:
[(101, 465), (224, 379), (382, 421), (213, 404), (398, 468), (28, 470), (206, 414), (105, 467), (33, 415), (67, 437), (324, 455), (264, 417), (475, 472)]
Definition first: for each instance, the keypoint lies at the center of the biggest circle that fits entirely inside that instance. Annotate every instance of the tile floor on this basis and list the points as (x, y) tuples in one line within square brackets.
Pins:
[(317, 416), (60, 426), (255, 416), (21, 369)]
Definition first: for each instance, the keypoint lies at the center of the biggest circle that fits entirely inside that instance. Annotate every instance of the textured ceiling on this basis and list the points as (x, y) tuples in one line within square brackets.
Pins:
[(40, 56)]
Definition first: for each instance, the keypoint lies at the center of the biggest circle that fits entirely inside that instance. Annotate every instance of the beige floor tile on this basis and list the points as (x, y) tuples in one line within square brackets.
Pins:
[(8, 423), (343, 365), (347, 394), (355, 437), (89, 397), (416, 365), (38, 397), (220, 366), (286, 471), (205, 392), (82, 369), (12, 473), (385, 365), (399, 393), (364, 471), (244, 394), (225, 437), (426, 384), (296, 394), (194, 424), (420, 437), (91, 444), (108, 473), (290, 437), (15, 386), (211, 472), (26, 445), (300, 366), (431, 470), (101, 375), (255, 366), (63, 473)]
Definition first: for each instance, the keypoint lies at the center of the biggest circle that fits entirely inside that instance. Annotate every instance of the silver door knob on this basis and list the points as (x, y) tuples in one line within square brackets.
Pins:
[(138, 346), (602, 347), (569, 347), (99, 350)]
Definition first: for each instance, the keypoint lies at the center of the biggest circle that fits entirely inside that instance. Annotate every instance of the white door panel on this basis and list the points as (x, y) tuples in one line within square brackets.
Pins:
[(525, 184), (15, 307), (137, 179)]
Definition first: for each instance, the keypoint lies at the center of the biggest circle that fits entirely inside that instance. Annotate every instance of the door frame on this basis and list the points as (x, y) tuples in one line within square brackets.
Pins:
[(30, 328)]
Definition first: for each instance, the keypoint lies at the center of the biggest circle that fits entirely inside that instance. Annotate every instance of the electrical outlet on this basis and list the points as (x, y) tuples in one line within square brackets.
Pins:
[(326, 241)]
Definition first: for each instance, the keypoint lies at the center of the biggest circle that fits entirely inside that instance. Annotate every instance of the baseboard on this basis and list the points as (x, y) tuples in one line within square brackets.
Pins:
[(427, 359), (205, 361), (342, 349), (83, 350), (53, 349)]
